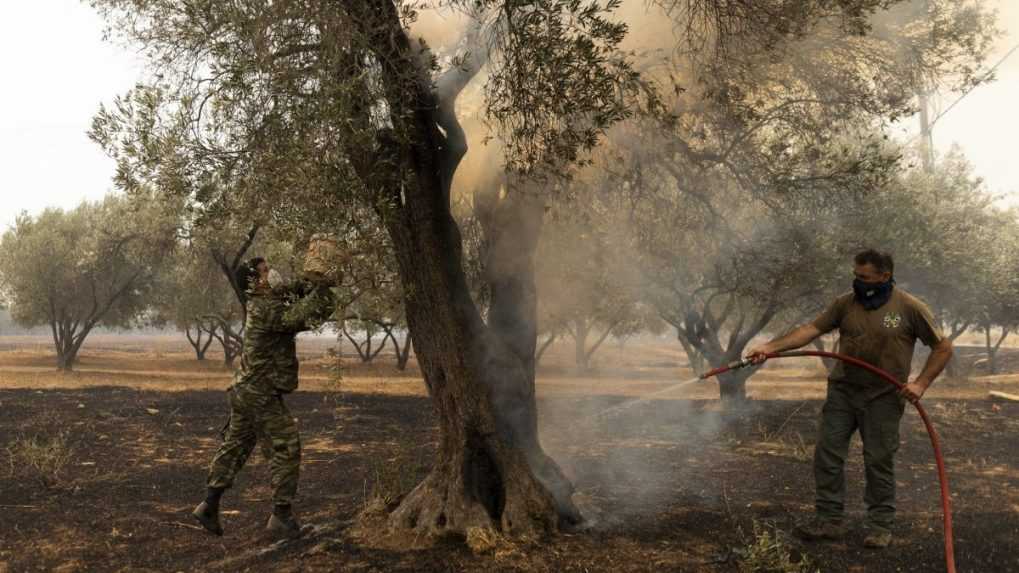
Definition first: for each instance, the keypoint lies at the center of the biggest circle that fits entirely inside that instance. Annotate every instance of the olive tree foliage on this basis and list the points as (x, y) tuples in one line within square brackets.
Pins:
[(91, 266), (193, 295), (952, 245), (777, 94), (777, 121), (263, 106), (724, 271), (936, 223), (1000, 303)]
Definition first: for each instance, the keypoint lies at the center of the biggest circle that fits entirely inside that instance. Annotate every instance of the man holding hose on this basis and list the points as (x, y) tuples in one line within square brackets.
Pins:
[(878, 323)]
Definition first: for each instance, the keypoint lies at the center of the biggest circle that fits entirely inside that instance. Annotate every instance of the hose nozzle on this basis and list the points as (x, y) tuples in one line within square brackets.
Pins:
[(734, 365)]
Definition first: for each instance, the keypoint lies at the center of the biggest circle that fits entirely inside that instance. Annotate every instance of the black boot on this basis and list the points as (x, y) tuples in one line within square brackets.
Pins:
[(283, 524), (207, 512)]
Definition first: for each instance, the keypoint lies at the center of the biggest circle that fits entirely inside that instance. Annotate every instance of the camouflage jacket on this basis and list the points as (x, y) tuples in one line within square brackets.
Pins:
[(274, 318)]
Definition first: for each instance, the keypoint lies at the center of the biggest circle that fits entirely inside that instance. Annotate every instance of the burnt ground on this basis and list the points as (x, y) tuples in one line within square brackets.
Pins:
[(668, 485)]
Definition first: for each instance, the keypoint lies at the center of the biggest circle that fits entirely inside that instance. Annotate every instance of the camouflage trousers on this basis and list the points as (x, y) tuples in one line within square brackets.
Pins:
[(254, 416)]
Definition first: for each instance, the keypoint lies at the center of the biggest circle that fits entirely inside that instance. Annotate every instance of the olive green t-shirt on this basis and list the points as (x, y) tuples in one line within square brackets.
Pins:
[(884, 337)]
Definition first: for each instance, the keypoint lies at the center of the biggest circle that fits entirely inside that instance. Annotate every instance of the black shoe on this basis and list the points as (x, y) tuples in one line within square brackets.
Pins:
[(283, 526), (208, 517)]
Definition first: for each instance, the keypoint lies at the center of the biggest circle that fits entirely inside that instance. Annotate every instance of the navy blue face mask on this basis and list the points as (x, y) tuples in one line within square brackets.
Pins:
[(873, 295)]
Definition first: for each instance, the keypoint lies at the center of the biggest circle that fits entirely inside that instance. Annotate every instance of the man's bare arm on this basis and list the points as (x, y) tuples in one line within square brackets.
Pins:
[(941, 353), (800, 337)]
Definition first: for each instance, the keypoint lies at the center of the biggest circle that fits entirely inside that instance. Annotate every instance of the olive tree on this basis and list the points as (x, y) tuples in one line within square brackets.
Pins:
[(75, 270)]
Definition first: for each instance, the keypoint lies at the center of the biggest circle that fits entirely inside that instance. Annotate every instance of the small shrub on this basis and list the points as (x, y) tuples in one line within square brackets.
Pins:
[(770, 552)]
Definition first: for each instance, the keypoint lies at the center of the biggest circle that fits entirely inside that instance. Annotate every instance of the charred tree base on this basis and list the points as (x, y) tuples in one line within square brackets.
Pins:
[(480, 495)]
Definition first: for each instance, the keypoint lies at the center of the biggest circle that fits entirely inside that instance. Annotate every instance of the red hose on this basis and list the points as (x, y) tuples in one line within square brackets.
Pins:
[(946, 500)]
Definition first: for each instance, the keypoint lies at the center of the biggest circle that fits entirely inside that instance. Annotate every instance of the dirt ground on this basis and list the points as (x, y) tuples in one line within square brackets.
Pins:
[(100, 468)]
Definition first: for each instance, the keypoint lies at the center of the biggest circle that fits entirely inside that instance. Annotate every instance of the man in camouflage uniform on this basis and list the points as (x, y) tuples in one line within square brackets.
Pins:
[(268, 370), (878, 323)]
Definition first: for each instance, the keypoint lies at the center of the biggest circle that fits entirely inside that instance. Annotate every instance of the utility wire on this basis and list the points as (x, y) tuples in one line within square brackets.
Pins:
[(970, 90), (997, 65)]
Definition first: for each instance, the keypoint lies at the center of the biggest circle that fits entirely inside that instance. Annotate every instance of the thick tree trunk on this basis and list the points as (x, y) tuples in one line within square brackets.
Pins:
[(482, 392), (490, 470), (479, 379), (67, 355), (512, 233), (732, 386)]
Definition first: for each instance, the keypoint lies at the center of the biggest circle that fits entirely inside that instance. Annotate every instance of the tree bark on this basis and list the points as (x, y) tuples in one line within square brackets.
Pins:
[(403, 356), (481, 380), (66, 357), (489, 461), (512, 232)]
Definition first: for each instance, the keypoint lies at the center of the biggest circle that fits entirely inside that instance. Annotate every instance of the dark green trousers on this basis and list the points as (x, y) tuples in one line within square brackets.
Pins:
[(846, 410)]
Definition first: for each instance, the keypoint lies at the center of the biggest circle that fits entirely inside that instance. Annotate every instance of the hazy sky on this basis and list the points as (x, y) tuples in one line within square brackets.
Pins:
[(57, 70)]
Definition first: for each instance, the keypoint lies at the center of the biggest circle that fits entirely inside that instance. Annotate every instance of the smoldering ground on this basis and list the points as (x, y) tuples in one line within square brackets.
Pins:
[(632, 462)]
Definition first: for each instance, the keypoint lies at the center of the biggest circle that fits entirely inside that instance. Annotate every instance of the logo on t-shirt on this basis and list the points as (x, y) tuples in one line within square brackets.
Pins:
[(892, 320)]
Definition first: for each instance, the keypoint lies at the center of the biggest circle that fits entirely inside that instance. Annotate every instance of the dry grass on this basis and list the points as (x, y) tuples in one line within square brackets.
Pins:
[(388, 481), (770, 551), (41, 459), (638, 369)]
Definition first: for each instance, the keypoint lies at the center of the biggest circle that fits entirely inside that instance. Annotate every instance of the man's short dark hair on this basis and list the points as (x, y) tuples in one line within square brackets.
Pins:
[(883, 262), (247, 274)]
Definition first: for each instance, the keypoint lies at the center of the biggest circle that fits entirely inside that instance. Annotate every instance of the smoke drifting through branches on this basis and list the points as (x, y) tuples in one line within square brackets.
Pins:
[(328, 116)]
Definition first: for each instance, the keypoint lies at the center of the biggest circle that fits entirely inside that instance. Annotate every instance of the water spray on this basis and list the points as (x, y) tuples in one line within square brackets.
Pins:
[(946, 502)]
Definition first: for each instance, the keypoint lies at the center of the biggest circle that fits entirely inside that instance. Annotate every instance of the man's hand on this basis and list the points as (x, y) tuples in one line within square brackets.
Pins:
[(913, 391), (758, 355)]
